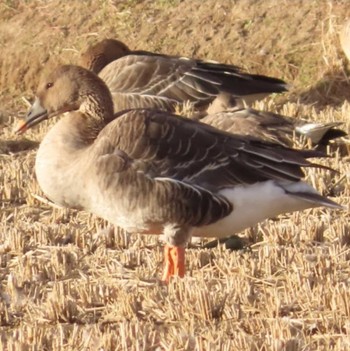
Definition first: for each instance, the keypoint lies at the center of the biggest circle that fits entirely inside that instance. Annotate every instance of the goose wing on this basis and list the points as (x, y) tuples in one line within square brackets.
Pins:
[(151, 80), (162, 145)]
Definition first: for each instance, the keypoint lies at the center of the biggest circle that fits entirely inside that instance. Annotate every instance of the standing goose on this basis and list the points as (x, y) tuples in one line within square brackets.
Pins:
[(140, 79), (152, 172)]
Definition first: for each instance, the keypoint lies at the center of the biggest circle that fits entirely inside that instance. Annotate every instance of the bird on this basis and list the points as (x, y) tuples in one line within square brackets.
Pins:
[(146, 79), (152, 172), (274, 127)]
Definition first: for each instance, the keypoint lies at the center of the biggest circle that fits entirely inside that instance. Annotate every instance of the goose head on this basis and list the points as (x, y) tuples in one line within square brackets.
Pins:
[(101, 54), (66, 89)]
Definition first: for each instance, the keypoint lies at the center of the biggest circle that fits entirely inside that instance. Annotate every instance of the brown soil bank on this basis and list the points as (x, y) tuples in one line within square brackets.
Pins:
[(295, 40)]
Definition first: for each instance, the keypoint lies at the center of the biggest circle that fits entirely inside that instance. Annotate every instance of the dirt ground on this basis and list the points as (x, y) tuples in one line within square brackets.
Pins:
[(65, 287)]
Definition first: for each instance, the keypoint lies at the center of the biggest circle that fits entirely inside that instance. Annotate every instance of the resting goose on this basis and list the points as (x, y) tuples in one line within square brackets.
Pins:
[(143, 79), (139, 79), (273, 127), (153, 172)]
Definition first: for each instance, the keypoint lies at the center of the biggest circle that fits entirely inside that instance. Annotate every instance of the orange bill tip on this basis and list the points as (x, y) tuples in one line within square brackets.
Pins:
[(21, 127)]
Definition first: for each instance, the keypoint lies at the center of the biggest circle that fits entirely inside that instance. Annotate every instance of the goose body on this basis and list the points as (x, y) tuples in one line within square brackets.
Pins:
[(142, 79), (272, 127), (152, 172), (136, 198)]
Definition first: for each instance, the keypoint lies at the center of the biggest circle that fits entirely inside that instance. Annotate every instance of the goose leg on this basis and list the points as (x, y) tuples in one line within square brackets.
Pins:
[(174, 262)]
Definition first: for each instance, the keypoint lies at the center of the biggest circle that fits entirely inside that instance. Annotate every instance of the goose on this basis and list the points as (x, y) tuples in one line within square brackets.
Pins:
[(139, 79), (144, 79), (274, 127), (152, 172)]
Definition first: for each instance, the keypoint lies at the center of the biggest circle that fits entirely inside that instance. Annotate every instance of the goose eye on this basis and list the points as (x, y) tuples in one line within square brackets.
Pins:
[(49, 85)]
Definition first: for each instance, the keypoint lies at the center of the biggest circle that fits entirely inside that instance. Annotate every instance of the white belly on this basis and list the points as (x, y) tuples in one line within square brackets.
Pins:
[(253, 204)]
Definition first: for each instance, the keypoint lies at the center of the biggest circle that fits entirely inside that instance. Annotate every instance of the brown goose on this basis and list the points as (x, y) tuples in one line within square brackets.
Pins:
[(152, 172), (273, 127), (141, 79)]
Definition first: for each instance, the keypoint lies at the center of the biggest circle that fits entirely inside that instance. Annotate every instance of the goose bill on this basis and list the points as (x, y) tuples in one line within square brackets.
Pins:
[(35, 115)]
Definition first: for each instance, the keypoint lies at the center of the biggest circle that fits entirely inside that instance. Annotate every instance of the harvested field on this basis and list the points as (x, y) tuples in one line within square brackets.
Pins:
[(67, 284)]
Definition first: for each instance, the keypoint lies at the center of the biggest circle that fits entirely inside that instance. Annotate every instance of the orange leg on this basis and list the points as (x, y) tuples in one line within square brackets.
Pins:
[(174, 259)]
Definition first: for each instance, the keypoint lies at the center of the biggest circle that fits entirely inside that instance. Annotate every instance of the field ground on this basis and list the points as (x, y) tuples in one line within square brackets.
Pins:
[(65, 285)]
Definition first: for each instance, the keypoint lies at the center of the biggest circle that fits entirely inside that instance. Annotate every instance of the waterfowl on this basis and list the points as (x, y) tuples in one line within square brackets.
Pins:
[(153, 172), (273, 127), (142, 79)]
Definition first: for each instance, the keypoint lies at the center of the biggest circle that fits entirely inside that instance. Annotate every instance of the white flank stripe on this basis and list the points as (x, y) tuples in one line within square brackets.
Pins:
[(253, 204)]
